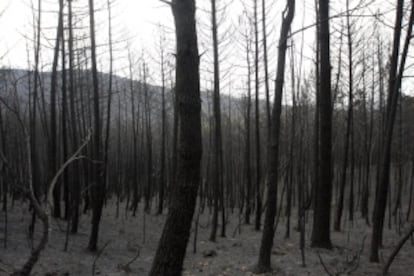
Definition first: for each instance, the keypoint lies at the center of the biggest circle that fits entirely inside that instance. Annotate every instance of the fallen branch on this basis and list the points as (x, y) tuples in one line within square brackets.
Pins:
[(97, 257), (349, 265), (397, 250), (73, 158), (324, 266), (126, 267), (355, 261), (5, 268)]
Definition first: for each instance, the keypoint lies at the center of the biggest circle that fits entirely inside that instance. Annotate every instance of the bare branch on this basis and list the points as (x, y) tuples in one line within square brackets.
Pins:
[(167, 2), (73, 158)]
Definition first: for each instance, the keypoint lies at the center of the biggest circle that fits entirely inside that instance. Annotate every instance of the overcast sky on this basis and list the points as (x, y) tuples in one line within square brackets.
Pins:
[(136, 26), (135, 18)]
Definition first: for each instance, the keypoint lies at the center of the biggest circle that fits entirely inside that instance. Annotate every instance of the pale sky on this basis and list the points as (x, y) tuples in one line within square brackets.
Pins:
[(134, 18), (136, 26)]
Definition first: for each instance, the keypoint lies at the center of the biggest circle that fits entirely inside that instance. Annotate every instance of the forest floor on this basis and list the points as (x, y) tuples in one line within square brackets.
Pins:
[(127, 238)]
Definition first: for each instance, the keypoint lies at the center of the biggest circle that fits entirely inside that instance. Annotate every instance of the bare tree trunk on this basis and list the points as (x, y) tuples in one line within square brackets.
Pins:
[(33, 119), (98, 185), (322, 212), (162, 181), (109, 100), (4, 178), (394, 85), (135, 127), (218, 148), (247, 162), (148, 130), (292, 146), (349, 124), (264, 262), (75, 179), (257, 122), (410, 197), (53, 124), (266, 65), (316, 138), (64, 120), (172, 246), (368, 150)]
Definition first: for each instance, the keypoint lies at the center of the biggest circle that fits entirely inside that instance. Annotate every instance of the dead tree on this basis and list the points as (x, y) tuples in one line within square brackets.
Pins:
[(218, 140), (264, 262), (162, 183), (53, 122), (34, 162), (396, 71), (323, 191), (349, 124), (75, 189), (98, 184), (172, 246), (257, 121), (109, 100)]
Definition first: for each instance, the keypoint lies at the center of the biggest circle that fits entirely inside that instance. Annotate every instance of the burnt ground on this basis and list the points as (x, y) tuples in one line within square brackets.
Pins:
[(129, 238)]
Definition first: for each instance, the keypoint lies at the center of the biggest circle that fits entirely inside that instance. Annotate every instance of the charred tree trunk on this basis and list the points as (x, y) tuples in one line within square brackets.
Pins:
[(266, 66), (98, 185), (394, 84), (148, 130), (33, 120), (135, 127), (109, 100), (218, 148), (172, 246), (349, 123), (322, 212), (162, 181), (53, 148), (247, 162), (264, 262), (257, 122), (75, 183)]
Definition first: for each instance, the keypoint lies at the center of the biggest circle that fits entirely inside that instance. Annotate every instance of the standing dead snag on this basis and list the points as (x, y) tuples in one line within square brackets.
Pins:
[(53, 146), (33, 110), (394, 85), (264, 263), (218, 165), (323, 189), (98, 184), (258, 161), (172, 246)]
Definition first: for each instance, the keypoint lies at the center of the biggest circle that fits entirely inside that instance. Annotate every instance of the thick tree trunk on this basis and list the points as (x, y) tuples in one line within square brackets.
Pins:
[(322, 212), (172, 246)]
